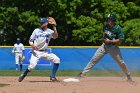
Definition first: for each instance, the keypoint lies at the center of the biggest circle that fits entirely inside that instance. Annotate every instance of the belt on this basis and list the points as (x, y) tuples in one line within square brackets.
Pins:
[(18, 52), (110, 44), (41, 50)]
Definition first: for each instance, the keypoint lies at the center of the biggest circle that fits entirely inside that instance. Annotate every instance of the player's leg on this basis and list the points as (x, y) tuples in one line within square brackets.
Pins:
[(33, 62), (54, 70), (94, 60), (56, 61), (116, 54), (20, 67), (20, 62), (17, 60)]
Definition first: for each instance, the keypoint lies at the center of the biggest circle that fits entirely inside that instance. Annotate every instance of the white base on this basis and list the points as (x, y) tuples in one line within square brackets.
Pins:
[(71, 80)]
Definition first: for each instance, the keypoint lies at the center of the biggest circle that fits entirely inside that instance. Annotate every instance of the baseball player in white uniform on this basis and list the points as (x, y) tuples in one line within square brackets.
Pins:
[(39, 41), (19, 53)]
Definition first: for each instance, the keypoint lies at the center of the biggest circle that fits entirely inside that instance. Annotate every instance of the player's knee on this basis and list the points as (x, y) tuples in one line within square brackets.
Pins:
[(57, 60), (122, 62), (31, 67)]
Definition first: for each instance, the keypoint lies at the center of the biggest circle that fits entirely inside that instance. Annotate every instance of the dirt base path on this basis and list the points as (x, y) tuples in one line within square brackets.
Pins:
[(86, 85)]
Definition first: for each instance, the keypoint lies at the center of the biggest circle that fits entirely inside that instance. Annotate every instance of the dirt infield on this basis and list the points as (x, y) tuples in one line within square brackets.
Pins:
[(86, 85)]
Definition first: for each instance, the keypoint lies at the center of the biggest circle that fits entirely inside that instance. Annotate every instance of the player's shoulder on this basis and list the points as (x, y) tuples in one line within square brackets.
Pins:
[(118, 27), (37, 29), (106, 27), (21, 44), (15, 44), (50, 30)]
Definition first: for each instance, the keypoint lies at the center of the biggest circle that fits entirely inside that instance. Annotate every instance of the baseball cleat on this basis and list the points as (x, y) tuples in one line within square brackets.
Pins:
[(81, 74), (129, 78), (21, 77), (54, 79), (130, 81)]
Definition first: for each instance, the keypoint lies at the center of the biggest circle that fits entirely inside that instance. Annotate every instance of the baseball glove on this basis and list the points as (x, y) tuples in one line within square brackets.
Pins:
[(52, 21), (108, 34), (22, 59)]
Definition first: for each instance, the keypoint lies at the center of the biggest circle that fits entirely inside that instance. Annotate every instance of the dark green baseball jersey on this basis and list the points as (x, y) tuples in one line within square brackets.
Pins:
[(115, 32)]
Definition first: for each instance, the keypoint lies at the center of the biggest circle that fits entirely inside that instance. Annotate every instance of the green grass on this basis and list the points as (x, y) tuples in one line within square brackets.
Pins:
[(68, 73)]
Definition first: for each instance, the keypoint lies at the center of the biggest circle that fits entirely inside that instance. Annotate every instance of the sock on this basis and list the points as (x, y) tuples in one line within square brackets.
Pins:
[(54, 70), (16, 66), (20, 67), (26, 72)]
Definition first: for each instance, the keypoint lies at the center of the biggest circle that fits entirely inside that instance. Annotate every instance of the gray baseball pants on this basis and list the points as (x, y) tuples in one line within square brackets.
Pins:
[(113, 50)]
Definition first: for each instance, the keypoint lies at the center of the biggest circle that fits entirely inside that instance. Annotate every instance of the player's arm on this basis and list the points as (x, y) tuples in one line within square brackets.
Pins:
[(115, 41), (13, 50), (55, 34), (120, 36), (31, 41), (52, 22)]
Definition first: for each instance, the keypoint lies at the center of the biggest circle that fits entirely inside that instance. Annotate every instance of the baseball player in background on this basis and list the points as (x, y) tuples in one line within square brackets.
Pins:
[(19, 54), (39, 41), (112, 36)]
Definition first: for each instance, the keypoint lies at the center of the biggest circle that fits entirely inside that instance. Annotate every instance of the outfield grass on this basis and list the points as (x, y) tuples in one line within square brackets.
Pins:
[(68, 73)]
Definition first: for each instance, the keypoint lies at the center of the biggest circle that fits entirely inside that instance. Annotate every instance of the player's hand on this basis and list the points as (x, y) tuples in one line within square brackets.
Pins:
[(51, 21), (106, 41), (34, 47), (13, 51)]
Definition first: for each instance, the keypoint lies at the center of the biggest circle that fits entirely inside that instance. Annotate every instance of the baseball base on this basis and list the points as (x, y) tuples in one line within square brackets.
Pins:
[(71, 80)]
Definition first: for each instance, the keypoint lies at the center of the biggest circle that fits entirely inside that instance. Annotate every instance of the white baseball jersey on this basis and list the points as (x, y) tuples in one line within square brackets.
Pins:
[(18, 48), (41, 38)]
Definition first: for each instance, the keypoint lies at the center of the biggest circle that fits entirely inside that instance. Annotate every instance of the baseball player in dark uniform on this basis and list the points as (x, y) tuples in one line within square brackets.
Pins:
[(112, 36)]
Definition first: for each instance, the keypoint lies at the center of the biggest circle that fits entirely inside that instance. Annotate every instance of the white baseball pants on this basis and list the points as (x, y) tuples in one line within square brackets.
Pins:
[(36, 55)]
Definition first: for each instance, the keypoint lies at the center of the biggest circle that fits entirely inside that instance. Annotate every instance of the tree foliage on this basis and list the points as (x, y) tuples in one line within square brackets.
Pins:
[(132, 32), (80, 22)]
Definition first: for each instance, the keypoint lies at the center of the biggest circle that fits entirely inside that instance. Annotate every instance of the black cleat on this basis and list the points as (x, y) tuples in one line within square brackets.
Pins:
[(130, 81), (129, 78), (21, 77), (54, 79), (81, 74)]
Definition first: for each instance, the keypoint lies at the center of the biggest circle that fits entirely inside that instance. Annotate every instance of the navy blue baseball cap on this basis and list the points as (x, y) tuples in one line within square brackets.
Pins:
[(43, 20), (18, 39)]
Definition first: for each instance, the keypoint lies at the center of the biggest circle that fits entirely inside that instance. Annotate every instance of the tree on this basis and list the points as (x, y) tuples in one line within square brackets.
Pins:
[(132, 32), (15, 24), (78, 22)]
